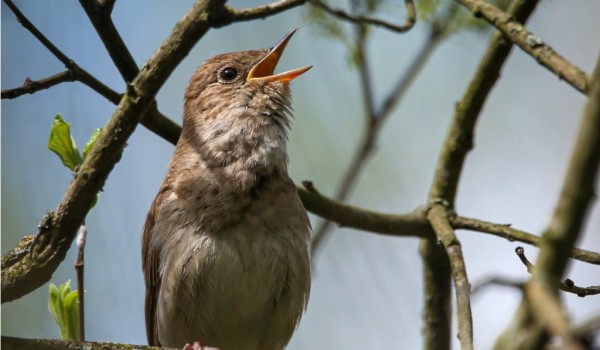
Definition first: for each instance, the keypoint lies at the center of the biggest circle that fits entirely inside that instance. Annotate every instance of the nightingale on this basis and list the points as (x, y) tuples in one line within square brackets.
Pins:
[(225, 244)]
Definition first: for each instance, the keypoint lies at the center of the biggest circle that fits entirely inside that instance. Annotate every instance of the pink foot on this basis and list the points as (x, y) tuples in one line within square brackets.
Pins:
[(197, 346)]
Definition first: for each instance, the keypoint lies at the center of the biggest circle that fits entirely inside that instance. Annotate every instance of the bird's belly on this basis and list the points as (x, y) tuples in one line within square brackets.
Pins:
[(233, 291)]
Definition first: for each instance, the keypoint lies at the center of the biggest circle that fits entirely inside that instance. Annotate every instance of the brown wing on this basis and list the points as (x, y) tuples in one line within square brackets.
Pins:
[(151, 266)]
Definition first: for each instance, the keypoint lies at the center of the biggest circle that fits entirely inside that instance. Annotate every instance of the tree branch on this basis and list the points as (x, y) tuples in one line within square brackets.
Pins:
[(437, 308), (28, 271), (69, 75), (496, 281), (114, 44), (513, 234), (13, 343), (528, 42), (408, 225), (413, 224), (411, 16), (260, 12), (567, 285), (445, 234), (33, 86)]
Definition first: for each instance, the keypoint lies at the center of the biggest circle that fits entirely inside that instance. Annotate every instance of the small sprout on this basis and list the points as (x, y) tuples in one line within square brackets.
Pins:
[(533, 41), (91, 142), (63, 306), (569, 283), (81, 237)]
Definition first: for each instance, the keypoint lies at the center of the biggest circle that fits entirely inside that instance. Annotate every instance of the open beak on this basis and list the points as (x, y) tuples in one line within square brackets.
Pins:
[(264, 69)]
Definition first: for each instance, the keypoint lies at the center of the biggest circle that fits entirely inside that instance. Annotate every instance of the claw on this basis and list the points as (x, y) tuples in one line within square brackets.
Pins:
[(197, 346)]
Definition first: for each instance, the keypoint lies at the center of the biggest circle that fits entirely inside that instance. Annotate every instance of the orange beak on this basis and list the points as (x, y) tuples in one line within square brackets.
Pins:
[(264, 69)]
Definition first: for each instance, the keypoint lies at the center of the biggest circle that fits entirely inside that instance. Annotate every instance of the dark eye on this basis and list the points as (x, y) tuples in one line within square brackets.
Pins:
[(228, 74)]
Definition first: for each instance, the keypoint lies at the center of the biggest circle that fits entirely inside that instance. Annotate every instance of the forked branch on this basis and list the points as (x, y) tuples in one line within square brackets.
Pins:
[(530, 43)]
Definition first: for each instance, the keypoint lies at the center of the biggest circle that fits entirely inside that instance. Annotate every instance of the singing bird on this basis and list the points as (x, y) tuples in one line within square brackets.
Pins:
[(225, 245)]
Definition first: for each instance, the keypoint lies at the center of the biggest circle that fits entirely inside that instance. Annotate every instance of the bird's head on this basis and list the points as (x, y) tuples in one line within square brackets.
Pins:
[(236, 105)]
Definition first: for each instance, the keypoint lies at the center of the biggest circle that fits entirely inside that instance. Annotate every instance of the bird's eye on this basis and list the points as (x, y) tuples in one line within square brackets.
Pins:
[(228, 74)]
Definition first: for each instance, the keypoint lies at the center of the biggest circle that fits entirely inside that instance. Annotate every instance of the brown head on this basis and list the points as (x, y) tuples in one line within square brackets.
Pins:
[(236, 108)]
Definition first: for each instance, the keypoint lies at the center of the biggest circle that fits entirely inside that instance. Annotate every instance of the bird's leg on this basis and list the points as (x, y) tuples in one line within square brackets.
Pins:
[(197, 346)]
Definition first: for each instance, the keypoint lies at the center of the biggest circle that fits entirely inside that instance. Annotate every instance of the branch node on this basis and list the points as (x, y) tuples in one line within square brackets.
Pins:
[(310, 187), (132, 92), (533, 41), (520, 251), (44, 242), (568, 285), (27, 83)]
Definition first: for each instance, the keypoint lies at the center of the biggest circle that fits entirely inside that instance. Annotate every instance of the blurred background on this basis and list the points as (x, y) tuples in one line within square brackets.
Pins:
[(367, 289)]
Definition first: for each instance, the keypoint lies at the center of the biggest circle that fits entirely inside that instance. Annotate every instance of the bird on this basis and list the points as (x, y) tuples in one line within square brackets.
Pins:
[(225, 245)]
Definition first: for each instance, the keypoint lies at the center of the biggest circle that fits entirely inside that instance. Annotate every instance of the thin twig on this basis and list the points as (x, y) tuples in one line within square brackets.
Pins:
[(495, 281), (374, 122), (79, 73), (528, 42), (521, 254), (38, 35), (437, 32), (99, 15), (437, 308), (260, 12), (411, 16), (153, 119), (409, 225), (513, 234), (441, 225), (567, 285), (366, 144), (32, 86), (364, 72), (69, 75), (79, 269)]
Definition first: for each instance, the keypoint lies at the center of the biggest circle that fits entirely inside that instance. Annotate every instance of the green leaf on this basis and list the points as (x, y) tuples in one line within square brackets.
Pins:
[(61, 142), (88, 146), (63, 305), (71, 315), (54, 303), (91, 142)]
